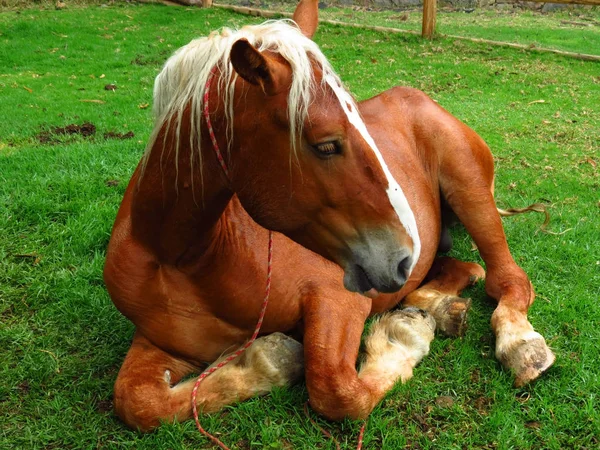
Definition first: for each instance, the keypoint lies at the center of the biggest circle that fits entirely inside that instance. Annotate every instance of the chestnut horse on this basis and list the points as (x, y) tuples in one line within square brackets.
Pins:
[(355, 194)]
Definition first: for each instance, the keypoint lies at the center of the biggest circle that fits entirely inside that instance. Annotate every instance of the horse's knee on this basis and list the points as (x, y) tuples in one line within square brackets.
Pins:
[(510, 286), (337, 394), (143, 396), (137, 404)]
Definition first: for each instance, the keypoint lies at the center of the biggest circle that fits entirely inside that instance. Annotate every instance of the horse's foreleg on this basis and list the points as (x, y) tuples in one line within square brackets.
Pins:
[(148, 391), (333, 328), (440, 295), (466, 181)]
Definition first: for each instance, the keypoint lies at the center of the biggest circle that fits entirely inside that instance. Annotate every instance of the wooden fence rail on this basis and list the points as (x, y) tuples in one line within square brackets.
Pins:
[(570, 2), (274, 14), (429, 11)]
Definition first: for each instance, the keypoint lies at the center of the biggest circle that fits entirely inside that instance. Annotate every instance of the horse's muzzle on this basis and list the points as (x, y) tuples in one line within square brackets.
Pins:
[(385, 272)]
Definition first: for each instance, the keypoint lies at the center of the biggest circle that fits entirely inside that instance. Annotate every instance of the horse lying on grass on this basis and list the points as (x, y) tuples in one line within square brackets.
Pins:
[(356, 192)]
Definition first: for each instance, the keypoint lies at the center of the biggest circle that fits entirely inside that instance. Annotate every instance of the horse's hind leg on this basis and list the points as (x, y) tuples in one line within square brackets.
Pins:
[(148, 388), (440, 295), (466, 182)]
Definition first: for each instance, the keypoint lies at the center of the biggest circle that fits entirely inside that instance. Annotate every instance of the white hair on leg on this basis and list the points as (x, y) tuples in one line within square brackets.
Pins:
[(396, 343)]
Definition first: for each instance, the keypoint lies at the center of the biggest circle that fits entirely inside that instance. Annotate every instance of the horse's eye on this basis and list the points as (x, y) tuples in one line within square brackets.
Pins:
[(328, 148)]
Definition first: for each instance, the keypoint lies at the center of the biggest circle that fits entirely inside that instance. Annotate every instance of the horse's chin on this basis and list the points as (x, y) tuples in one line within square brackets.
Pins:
[(371, 293), (356, 280)]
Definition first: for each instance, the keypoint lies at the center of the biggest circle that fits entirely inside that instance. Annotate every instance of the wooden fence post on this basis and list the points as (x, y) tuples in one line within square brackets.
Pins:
[(429, 9)]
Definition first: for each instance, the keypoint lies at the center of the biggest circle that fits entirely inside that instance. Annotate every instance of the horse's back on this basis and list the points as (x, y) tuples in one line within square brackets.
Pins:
[(429, 132)]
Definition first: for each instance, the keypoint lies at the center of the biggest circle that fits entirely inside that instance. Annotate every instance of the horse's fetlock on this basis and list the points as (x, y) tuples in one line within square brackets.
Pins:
[(411, 327)]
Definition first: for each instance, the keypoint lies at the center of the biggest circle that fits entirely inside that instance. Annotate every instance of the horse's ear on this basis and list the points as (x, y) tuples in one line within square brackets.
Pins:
[(259, 69), (306, 16)]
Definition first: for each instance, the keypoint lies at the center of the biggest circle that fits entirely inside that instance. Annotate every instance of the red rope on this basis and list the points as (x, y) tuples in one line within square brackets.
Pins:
[(263, 309), (237, 353), (361, 435), (211, 132)]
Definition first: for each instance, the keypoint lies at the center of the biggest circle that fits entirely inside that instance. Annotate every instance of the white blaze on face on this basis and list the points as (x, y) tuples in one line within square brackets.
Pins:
[(394, 191)]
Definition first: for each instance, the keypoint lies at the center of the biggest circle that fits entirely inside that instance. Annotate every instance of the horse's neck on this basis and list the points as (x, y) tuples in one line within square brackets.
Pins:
[(177, 207)]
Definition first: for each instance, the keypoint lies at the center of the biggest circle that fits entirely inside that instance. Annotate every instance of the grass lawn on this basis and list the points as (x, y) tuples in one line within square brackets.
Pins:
[(63, 341), (576, 30)]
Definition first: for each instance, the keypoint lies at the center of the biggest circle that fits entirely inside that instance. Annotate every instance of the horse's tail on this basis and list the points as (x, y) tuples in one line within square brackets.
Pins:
[(535, 207)]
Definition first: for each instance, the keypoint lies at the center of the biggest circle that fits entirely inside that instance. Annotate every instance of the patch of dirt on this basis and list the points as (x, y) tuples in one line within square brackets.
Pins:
[(110, 87), (286, 445), (104, 406), (533, 424), (141, 60), (156, 60), (112, 183), (243, 444), (7, 314), (33, 257), (444, 401), (115, 135), (421, 421), (401, 17), (53, 135), (23, 387), (482, 405)]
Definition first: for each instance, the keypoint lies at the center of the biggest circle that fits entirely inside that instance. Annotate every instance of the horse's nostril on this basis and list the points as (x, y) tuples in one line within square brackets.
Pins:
[(404, 267)]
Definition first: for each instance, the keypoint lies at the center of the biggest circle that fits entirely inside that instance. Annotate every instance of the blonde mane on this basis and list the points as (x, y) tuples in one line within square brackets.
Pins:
[(183, 78)]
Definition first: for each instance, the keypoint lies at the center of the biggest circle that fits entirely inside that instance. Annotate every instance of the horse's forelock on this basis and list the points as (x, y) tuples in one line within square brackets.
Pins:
[(183, 79)]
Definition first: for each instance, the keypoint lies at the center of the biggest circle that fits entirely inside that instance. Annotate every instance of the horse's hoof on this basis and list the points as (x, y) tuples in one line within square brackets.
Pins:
[(277, 357), (451, 316), (528, 357)]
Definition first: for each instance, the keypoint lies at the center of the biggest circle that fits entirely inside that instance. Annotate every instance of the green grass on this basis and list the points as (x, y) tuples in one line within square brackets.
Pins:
[(573, 30), (63, 341)]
